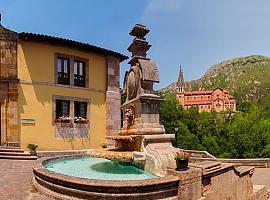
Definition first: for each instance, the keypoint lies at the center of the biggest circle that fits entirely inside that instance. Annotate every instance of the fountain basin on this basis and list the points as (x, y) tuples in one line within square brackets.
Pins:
[(64, 186), (97, 168)]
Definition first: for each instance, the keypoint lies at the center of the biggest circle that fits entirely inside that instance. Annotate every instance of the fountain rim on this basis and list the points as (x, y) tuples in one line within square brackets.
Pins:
[(40, 171)]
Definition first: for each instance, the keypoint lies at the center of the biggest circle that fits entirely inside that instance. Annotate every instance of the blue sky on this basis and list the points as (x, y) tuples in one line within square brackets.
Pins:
[(193, 33)]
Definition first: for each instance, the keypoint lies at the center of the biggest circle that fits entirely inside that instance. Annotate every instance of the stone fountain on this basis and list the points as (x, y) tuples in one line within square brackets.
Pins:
[(142, 133)]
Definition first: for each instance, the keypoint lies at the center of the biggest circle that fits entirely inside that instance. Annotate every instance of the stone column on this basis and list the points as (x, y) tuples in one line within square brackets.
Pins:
[(13, 122), (9, 87), (190, 187), (113, 98)]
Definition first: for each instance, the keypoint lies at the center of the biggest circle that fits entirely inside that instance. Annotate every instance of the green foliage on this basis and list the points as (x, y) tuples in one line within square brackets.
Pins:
[(210, 144), (123, 96), (244, 134), (104, 145), (181, 155), (266, 151), (32, 147), (170, 113)]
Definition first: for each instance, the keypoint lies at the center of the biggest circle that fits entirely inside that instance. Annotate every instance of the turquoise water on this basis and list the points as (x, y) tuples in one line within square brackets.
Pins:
[(97, 168)]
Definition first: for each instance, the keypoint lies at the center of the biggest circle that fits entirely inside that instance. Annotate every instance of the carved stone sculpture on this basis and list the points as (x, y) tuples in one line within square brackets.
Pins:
[(138, 85), (129, 113), (143, 73)]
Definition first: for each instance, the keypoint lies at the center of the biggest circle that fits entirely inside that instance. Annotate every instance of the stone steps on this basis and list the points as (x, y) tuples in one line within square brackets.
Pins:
[(15, 153), (19, 157), (9, 147), (11, 150)]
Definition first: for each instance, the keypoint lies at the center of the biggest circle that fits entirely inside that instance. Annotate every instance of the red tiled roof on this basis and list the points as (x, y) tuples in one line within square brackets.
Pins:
[(198, 92), (197, 103), (33, 37), (231, 97)]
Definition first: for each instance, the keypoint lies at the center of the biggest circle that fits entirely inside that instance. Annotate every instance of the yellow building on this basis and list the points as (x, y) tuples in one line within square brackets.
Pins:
[(57, 93)]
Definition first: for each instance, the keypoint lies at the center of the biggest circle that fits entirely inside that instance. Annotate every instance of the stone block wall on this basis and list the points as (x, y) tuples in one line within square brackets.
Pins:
[(8, 50), (190, 187), (113, 98), (227, 185), (218, 181), (8, 87)]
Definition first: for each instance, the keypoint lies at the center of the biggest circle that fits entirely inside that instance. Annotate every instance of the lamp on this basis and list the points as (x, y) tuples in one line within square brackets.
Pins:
[(176, 128)]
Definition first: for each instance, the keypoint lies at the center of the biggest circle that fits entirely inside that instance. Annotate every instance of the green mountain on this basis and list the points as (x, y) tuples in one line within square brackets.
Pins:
[(247, 78)]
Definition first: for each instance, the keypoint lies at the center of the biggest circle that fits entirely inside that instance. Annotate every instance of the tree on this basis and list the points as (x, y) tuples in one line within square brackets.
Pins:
[(185, 139), (170, 113), (244, 134), (210, 145)]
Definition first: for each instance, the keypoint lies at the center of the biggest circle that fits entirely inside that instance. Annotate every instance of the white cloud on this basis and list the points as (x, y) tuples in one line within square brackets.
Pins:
[(162, 6)]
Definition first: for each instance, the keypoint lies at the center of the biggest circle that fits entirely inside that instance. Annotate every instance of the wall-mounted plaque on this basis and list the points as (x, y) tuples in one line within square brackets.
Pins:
[(27, 121)]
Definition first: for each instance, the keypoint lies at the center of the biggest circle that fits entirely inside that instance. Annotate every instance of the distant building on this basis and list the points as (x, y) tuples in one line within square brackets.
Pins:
[(206, 100)]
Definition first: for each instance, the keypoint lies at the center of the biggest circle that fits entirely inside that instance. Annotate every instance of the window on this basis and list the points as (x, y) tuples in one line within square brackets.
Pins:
[(63, 71), (80, 109), (62, 108), (79, 73), (71, 70)]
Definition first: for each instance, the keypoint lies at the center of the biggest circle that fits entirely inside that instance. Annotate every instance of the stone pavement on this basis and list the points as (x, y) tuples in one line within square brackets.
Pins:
[(15, 181), (262, 177)]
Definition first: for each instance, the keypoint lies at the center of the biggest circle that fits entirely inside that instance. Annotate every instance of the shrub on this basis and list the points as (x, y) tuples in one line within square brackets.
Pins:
[(32, 147)]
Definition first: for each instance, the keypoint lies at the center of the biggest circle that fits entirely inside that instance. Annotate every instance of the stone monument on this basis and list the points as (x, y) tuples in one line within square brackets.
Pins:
[(141, 109), (141, 131)]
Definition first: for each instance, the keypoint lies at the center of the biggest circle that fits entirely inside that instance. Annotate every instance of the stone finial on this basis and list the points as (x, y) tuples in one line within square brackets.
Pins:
[(139, 45), (139, 31), (143, 72)]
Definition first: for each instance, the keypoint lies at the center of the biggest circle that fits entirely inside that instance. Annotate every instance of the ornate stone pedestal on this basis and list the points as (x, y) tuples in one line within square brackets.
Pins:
[(141, 116)]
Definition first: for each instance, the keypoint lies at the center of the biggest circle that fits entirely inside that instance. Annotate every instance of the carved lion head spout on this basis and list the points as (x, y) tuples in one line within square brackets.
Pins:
[(129, 116)]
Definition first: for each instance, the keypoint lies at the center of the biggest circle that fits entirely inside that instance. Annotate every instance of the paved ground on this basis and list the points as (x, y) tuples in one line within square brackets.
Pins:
[(15, 181), (262, 177)]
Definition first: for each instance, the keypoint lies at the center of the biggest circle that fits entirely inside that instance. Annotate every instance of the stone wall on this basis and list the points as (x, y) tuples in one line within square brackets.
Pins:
[(8, 87), (200, 156), (254, 162), (190, 187), (216, 181), (8, 49), (60, 153), (113, 98)]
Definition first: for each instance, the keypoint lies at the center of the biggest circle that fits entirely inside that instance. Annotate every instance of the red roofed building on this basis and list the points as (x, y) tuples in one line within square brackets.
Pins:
[(206, 100)]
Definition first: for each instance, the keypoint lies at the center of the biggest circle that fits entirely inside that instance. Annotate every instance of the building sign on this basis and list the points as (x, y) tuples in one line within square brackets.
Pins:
[(27, 121)]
